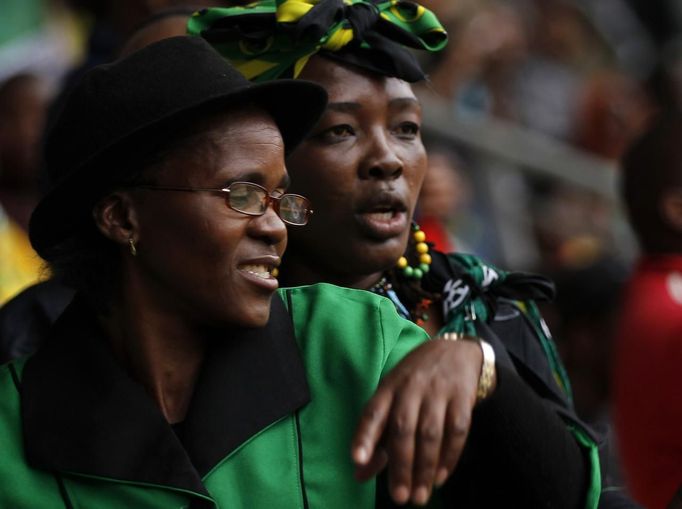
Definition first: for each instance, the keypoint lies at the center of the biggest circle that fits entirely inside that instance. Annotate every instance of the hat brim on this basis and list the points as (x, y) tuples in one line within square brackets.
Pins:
[(295, 106)]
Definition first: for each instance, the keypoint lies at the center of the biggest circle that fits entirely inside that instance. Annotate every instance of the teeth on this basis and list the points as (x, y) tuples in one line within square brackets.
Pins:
[(381, 216), (261, 271)]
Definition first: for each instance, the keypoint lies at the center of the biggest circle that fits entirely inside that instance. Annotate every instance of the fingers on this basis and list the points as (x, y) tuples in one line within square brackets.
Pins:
[(457, 423), (372, 468), (421, 414), (400, 443), (371, 427), (429, 435)]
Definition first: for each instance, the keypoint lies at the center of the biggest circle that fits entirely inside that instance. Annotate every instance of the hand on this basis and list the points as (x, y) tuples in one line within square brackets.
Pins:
[(418, 420)]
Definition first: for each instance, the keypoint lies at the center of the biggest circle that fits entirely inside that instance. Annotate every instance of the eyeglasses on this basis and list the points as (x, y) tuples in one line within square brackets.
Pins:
[(253, 200)]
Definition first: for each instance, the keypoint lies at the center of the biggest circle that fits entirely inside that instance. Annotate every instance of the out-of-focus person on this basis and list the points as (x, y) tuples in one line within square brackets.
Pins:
[(613, 110), (444, 194), (647, 387), (23, 106), (23, 103)]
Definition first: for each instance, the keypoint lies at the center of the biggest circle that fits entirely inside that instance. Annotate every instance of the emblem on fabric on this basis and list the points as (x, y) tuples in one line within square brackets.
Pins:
[(455, 293)]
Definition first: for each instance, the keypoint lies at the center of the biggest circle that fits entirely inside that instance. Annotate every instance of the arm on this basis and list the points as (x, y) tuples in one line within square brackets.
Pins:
[(419, 418), (426, 419)]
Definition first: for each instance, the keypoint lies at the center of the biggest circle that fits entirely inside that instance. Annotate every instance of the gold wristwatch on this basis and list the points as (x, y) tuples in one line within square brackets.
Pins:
[(487, 378)]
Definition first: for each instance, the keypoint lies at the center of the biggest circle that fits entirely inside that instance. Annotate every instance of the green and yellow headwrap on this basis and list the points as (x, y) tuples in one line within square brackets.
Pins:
[(270, 39)]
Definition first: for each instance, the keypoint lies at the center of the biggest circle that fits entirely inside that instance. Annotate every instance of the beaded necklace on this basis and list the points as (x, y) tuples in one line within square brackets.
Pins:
[(418, 314)]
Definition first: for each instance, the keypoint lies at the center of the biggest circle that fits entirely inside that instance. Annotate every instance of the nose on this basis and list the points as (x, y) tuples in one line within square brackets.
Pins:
[(268, 227), (381, 161)]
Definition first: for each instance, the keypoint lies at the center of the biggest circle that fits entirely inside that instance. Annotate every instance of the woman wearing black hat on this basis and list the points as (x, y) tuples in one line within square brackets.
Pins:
[(174, 379), (363, 165)]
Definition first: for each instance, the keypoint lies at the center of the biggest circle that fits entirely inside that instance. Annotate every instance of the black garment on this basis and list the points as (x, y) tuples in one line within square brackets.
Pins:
[(519, 350), (26, 319), (74, 393)]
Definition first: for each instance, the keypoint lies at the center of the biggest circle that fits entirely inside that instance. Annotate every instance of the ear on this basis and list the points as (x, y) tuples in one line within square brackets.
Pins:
[(116, 217), (671, 208)]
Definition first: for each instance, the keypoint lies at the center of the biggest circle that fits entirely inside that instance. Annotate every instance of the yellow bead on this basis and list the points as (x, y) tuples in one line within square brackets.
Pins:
[(419, 236), (422, 248), (275, 272), (425, 258), (402, 262)]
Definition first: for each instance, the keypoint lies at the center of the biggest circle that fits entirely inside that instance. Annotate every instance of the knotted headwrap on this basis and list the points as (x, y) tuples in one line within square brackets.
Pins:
[(271, 39)]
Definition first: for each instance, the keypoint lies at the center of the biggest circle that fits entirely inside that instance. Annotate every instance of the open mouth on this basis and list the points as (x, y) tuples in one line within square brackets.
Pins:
[(261, 271), (382, 222), (382, 215)]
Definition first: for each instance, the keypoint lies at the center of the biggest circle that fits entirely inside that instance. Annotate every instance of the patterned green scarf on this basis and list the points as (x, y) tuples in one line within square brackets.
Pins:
[(464, 302), (270, 39)]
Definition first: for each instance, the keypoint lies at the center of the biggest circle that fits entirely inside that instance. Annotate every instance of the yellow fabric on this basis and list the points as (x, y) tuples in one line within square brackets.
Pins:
[(293, 10), (20, 266), (339, 39), (252, 68)]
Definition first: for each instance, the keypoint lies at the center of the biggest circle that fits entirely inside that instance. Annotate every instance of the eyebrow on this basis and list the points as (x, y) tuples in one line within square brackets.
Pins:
[(259, 178), (344, 107), (404, 102)]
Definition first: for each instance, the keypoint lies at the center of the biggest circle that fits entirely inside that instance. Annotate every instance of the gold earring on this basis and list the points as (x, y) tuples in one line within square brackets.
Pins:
[(133, 249)]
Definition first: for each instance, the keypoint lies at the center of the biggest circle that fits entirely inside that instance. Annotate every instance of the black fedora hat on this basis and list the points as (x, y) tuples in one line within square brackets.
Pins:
[(123, 110)]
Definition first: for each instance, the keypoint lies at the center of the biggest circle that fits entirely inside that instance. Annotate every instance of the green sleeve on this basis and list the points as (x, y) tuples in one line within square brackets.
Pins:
[(400, 336)]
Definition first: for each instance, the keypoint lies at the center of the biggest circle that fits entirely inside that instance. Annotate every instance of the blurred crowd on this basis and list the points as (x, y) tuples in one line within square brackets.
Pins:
[(588, 74)]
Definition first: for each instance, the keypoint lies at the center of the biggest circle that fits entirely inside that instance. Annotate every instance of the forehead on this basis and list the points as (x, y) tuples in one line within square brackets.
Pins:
[(243, 141), (344, 83)]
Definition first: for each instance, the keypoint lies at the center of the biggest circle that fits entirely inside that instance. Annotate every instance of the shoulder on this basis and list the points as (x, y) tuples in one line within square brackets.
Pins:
[(338, 305), (328, 293), (10, 396), (350, 320), (26, 319), (23, 486)]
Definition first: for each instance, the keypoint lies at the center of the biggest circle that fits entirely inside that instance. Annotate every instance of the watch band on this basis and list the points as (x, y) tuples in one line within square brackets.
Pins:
[(487, 377)]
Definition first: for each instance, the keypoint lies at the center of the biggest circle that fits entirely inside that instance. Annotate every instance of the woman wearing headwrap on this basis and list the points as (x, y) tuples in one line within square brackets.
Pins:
[(177, 378), (363, 166)]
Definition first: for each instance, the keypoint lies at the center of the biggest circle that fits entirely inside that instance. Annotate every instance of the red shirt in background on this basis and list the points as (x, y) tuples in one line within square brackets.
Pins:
[(648, 381)]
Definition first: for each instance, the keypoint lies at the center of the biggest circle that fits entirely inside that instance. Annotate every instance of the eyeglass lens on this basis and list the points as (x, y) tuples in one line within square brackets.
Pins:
[(252, 199)]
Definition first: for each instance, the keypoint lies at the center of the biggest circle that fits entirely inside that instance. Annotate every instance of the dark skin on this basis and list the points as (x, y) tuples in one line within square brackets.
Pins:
[(158, 321), (362, 167), (428, 436)]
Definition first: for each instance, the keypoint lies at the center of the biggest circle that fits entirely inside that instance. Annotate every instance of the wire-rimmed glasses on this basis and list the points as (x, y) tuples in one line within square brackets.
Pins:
[(253, 200)]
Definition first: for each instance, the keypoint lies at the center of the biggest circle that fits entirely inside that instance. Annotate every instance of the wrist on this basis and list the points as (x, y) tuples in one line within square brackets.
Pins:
[(487, 379)]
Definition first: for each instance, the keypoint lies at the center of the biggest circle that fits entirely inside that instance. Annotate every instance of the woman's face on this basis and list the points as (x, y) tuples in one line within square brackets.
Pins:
[(198, 258), (362, 168)]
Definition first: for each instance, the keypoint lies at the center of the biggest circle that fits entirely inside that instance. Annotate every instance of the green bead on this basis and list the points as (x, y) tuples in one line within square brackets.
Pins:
[(408, 271), (424, 267), (417, 273)]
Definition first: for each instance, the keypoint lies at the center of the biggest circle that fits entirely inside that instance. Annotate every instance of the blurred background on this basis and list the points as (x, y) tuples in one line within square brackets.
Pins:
[(526, 115)]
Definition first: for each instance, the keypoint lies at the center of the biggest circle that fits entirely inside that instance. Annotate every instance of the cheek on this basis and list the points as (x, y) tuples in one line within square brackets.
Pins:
[(324, 184), (415, 171), (195, 232)]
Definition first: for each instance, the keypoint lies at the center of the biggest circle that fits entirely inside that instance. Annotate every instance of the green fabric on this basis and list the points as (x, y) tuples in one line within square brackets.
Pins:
[(595, 487), (348, 339), (462, 317), (19, 18), (22, 487), (474, 307), (268, 38)]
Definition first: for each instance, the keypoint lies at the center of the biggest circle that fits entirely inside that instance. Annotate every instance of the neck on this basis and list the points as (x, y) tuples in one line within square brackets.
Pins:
[(157, 350), (297, 272)]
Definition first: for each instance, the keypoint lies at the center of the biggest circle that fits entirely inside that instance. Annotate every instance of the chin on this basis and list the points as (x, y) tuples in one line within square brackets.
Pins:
[(254, 316), (382, 256)]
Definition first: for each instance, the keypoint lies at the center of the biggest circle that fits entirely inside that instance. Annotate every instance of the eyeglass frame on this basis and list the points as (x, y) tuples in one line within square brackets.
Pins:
[(271, 200)]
